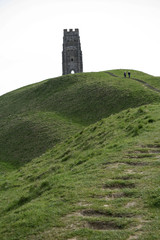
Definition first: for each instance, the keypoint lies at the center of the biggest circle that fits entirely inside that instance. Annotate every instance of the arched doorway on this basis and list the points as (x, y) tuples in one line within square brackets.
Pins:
[(72, 72)]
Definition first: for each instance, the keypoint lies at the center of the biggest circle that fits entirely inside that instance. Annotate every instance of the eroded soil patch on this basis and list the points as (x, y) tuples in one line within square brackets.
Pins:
[(102, 225), (98, 213)]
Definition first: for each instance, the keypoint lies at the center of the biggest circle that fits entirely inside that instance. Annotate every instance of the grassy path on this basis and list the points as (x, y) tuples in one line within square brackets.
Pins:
[(138, 80), (146, 84), (120, 212)]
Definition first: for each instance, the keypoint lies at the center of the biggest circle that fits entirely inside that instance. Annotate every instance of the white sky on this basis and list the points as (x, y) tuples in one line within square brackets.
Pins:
[(114, 34)]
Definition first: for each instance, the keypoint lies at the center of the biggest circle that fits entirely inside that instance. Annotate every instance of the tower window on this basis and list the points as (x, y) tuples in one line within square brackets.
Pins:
[(71, 59)]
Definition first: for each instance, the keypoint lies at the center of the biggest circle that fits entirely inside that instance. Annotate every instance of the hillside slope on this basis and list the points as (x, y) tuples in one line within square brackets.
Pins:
[(102, 183), (37, 117)]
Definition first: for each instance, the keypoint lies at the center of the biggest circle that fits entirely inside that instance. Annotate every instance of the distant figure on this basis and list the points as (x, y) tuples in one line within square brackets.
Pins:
[(124, 74), (129, 74)]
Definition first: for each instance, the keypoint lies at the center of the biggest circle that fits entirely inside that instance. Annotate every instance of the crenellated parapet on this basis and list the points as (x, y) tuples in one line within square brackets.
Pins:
[(71, 31)]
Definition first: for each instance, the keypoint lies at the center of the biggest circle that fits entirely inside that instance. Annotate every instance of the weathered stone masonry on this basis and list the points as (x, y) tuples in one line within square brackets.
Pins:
[(72, 54)]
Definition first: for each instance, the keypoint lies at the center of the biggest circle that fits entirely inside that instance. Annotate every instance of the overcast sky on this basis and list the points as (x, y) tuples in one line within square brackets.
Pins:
[(113, 33)]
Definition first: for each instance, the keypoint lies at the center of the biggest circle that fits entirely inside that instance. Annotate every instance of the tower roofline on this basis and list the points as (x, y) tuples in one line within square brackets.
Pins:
[(70, 31)]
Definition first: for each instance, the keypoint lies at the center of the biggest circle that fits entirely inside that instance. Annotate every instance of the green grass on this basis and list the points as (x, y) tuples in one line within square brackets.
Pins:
[(35, 118), (88, 174), (153, 81), (24, 137), (63, 193)]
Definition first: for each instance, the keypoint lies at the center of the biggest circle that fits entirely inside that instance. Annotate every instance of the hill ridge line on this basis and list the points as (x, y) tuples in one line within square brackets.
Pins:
[(139, 80)]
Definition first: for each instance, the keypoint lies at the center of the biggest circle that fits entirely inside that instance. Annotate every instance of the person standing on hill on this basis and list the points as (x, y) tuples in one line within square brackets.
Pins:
[(124, 74), (129, 74)]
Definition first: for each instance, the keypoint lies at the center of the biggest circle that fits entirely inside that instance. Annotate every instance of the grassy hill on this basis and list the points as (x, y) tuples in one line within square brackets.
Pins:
[(35, 118), (102, 183), (97, 176)]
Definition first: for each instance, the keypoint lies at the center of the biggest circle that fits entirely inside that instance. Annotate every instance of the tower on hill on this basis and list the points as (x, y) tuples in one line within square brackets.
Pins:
[(72, 54)]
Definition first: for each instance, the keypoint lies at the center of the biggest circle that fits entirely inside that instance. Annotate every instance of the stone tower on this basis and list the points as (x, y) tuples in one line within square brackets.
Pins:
[(72, 54)]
